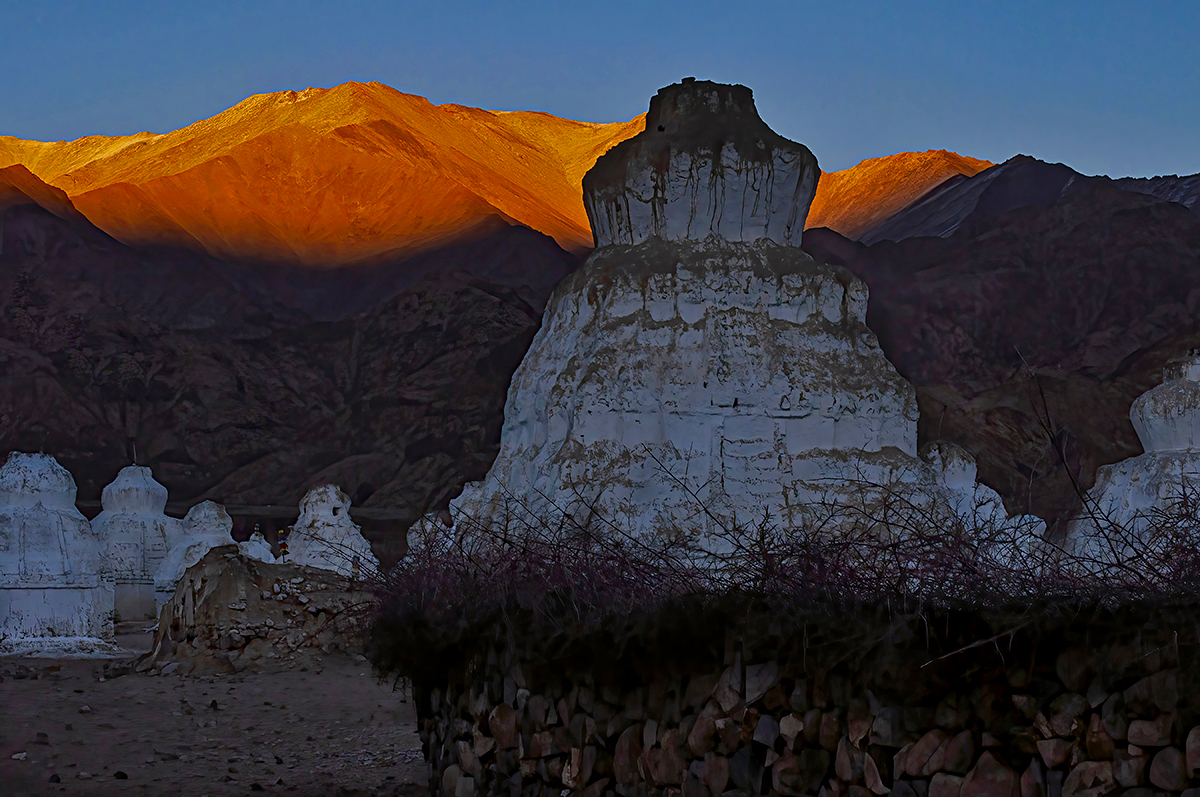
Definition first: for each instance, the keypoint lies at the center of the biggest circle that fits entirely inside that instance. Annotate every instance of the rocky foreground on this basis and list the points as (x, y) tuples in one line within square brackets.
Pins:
[(99, 728)]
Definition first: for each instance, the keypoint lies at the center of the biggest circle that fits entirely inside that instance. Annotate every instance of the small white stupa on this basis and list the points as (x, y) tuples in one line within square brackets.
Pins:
[(52, 594), (1118, 521), (136, 535), (257, 547), (324, 536), (206, 526)]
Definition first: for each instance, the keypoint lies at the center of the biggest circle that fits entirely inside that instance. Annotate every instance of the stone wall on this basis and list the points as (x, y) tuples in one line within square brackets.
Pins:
[(949, 706)]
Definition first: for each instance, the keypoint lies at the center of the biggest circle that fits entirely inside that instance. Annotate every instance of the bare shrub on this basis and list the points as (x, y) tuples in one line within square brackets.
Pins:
[(548, 571)]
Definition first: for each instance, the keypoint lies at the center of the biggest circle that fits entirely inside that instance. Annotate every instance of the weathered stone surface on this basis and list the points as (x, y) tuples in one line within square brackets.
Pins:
[(927, 755), (1025, 704), (206, 526), (990, 778), (830, 731), (716, 772), (848, 763), (324, 536), (1168, 769), (581, 412), (871, 775), (790, 726), (1098, 742), (1074, 668), (1192, 752), (960, 753), (626, 754), (1065, 713), (700, 689), (1033, 780), (766, 730), (705, 165), (945, 785), (228, 602), (1128, 769), (859, 720), (502, 721), (701, 736), (1113, 713), (1151, 733), (1054, 751), (728, 691), (888, 727), (1159, 690), (1086, 776), (759, 679)]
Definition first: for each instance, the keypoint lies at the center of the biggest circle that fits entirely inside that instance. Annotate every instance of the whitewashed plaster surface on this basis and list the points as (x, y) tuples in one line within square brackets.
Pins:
[(51, 588), (325, 537), (136, 536), (1119, 514), (672, 378), (257, 547), (705, 165)]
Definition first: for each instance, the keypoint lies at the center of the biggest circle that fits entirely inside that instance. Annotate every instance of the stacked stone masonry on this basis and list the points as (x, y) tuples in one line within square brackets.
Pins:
[(1091, 720)]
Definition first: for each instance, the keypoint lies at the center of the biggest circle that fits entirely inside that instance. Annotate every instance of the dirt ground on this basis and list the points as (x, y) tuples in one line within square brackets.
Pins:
[(332, 729)]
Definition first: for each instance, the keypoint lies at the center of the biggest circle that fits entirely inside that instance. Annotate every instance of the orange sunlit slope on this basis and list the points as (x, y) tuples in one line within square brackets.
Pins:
[(325, 177), (860, 198)]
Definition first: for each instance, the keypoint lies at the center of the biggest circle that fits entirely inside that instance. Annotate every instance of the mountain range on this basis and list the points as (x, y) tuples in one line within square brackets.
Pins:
[(336, 285)]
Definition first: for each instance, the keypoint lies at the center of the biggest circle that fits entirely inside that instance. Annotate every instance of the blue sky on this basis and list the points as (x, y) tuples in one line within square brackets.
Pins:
[(1105, 87)]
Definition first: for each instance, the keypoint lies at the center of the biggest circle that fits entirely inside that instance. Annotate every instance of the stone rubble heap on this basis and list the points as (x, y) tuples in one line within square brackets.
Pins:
[(231, 612), (53, 596), (136, 535), (206, 526), (700, 372), (1102, 716)]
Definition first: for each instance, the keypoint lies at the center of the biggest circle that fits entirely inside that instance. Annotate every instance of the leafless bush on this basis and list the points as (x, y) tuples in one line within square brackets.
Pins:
[(566, 570)]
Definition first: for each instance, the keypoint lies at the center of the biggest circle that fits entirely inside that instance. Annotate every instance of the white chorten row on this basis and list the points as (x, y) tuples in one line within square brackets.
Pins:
[(62, 579)]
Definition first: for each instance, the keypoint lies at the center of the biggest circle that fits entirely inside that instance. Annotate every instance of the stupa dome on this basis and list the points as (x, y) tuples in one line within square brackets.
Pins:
[(136, 536), (324, 536)]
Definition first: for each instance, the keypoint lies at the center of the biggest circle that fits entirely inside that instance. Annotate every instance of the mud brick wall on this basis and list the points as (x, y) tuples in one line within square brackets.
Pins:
[(1081, 707)]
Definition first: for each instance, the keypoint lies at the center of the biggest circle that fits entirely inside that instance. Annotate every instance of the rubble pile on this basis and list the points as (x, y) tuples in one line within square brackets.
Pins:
[(231, 612)]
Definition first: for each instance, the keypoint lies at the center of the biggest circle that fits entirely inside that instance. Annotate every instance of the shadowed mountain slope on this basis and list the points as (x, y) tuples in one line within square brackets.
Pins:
[(1047, 283), (250, 384)]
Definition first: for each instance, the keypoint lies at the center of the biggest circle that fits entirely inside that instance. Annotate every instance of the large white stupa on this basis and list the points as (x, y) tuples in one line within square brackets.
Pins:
[(324, 536), (1123, 516), (136, 535), (700, 372), (52, 593)]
